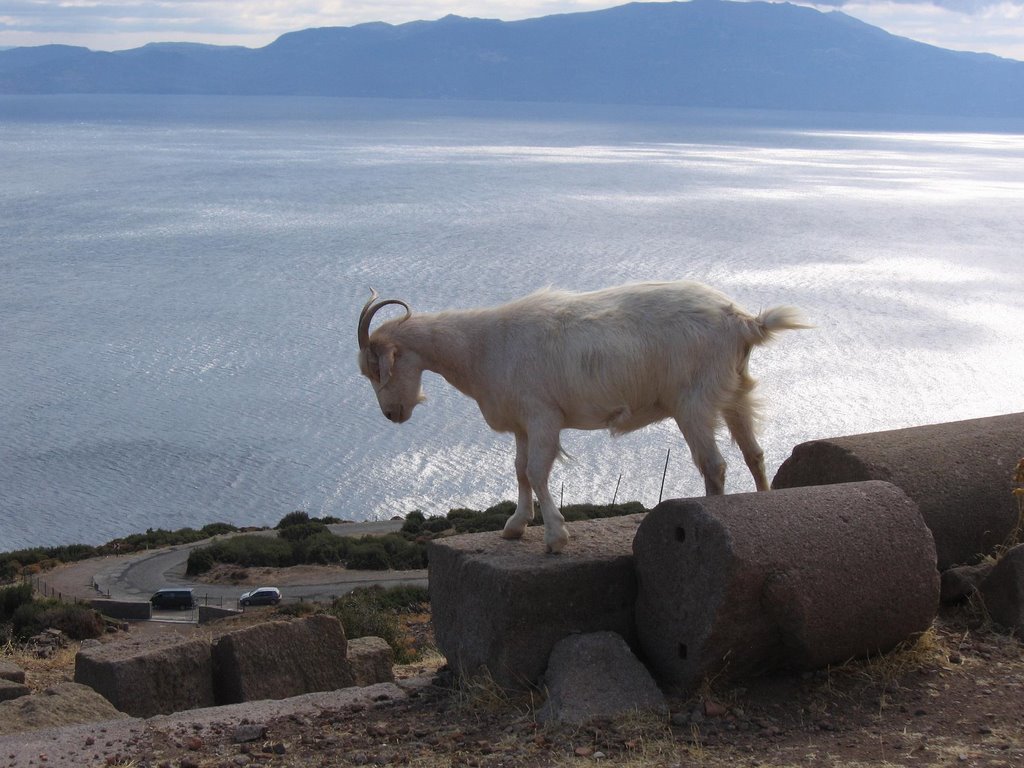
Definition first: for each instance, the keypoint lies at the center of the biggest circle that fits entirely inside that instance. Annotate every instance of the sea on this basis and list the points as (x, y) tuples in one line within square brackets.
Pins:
[(181, 277)]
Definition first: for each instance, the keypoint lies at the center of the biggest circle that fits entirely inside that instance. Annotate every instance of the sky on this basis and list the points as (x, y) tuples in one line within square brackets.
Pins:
[(991, 26)]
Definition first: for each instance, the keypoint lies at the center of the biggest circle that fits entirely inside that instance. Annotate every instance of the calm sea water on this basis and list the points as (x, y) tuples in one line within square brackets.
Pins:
[(181, 279)]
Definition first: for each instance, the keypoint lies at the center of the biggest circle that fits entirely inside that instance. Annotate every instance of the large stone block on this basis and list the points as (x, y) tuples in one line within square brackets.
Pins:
[(278, 659), (501, 605), (146, 677), (959, 473), (731, 586)]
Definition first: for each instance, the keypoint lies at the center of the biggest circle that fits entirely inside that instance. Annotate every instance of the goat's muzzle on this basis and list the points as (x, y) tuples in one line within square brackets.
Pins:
[(395, 413)]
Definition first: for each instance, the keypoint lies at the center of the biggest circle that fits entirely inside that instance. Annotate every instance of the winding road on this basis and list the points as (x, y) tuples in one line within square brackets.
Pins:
[(138, 576)]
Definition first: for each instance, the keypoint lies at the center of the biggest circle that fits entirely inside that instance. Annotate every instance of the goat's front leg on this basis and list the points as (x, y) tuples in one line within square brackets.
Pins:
[(543, 451), (516, 525)]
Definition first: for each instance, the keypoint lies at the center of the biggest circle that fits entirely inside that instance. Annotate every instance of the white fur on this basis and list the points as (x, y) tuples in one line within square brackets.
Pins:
[(619, 358)]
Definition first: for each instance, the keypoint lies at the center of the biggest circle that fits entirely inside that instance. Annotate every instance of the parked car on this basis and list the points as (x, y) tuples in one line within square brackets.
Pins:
[(176, 597), (261, 596)]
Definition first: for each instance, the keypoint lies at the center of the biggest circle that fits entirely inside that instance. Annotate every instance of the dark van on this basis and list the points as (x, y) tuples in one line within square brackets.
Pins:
[(164, 599)]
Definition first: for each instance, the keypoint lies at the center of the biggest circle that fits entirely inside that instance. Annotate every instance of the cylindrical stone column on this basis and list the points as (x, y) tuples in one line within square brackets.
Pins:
[(731, 586), (959, 473)]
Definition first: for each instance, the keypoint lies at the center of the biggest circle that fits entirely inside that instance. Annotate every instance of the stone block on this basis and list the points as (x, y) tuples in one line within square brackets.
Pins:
[(12, 690), (731, 586), (500, 605), (145, 677), (1003, 590), (11, 671), (372, 661), (278, 659), (61, 706), (597, 676), (959, 473), (133, 610)]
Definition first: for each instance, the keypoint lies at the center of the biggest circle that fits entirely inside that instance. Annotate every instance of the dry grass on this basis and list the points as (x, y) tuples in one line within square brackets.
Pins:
[(42, 673)]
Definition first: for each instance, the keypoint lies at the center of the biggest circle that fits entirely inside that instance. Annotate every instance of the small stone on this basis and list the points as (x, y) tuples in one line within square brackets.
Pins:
[(583, 751), (248, 732), (714, 709)]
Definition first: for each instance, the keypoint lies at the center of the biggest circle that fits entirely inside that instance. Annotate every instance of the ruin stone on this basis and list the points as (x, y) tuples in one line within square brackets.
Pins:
[(61, 705), (278, 659), (959, 473), (498, 606), (371, 660), (597, 676), (1003, 590), (12, 690), (11, 671), (736, 585), (147, 677), (961, 582)]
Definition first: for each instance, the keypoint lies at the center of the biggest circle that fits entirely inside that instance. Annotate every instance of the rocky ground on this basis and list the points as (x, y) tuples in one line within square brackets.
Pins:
[(956, 698)]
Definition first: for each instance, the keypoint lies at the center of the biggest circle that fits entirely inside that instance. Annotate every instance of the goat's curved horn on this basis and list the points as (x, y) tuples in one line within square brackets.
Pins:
[(369, 310)]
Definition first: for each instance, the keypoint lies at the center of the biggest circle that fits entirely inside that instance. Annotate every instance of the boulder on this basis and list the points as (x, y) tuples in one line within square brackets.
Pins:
[(371, 660), (736, 585), (959, 473), (1003, 590), (597, 676), (961, 582), (146, 677), (278, 659), (62, 705), (499, 606), (11, 671), (12, 690)]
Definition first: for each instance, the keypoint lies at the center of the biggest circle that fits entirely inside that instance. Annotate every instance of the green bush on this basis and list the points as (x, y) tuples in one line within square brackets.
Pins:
[(321, 549), (217, 529), (12, 598), (367, 555), (253, 551), (76, 621), (373, 612), (413, 522), (299, 531), (200, 561), (292, 518)]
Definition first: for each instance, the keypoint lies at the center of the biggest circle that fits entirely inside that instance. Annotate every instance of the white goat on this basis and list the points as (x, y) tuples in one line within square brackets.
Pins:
[(619, 358)]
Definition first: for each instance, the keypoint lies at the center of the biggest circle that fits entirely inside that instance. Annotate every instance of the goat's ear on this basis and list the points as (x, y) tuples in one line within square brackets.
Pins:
[(385, 363)]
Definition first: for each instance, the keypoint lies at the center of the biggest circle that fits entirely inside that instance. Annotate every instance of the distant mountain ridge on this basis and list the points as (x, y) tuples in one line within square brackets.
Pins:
[(704, 53)]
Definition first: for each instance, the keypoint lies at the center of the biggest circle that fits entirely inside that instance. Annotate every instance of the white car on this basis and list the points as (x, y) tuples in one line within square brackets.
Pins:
[(261, 596)]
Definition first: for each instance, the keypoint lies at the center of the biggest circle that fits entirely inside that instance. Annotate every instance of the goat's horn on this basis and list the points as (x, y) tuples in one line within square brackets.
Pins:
[(369, 310)]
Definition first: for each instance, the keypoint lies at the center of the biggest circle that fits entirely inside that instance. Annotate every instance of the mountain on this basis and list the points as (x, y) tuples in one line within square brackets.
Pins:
[(705, 53)]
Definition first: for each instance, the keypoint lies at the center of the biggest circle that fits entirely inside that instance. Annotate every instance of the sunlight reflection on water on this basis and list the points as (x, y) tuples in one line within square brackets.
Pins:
[(180, 298)]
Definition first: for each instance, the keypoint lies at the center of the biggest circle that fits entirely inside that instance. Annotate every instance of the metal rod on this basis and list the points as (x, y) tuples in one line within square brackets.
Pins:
[(616, 493), (664, 472)]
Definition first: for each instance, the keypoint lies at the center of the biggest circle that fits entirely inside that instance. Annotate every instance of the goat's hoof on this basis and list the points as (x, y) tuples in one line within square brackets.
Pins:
[(555, 547), (512, 533)]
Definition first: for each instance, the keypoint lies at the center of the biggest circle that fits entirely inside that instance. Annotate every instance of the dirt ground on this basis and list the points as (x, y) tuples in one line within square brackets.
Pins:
[(954, 698)]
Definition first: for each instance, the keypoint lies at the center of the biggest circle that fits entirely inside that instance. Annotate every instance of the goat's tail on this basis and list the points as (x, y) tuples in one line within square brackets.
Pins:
[(763, 328)]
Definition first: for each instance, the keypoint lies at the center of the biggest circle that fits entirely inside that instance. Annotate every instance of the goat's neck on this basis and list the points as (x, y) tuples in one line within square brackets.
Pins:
[(446, 347)]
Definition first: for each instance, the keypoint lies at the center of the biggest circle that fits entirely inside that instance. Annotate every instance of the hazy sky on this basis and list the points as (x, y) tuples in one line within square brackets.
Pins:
[(994, 26)]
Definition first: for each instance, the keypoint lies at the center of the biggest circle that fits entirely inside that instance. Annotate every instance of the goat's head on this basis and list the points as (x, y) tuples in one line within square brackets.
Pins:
[(394, 372)]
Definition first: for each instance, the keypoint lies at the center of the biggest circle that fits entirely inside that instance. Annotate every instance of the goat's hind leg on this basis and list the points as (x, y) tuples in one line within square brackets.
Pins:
[(698, 428), (740, 417), (515, 526)]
